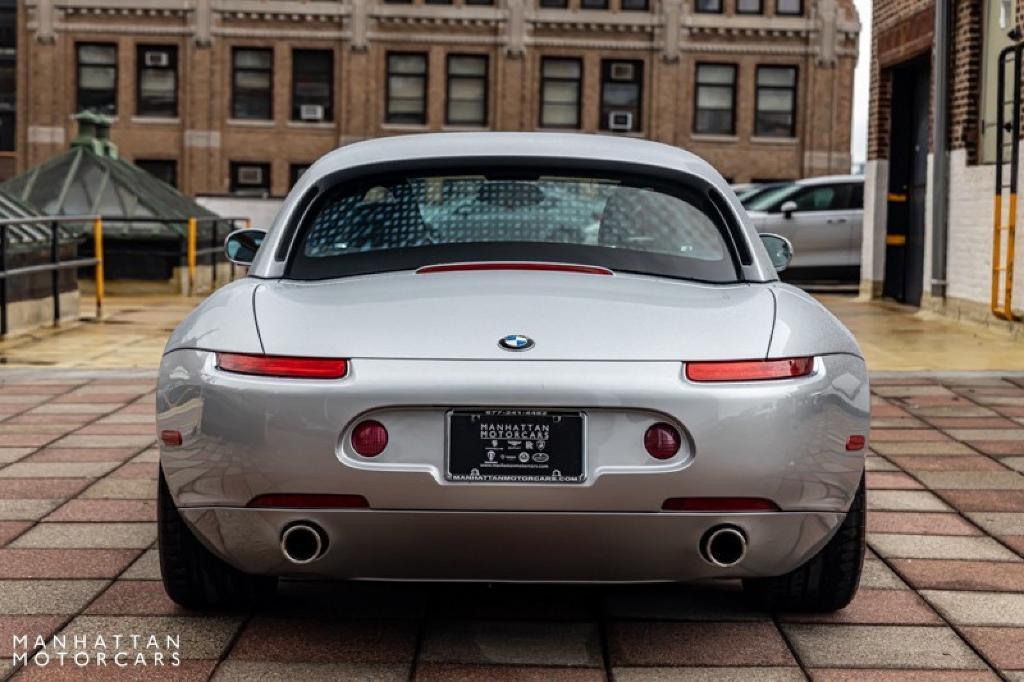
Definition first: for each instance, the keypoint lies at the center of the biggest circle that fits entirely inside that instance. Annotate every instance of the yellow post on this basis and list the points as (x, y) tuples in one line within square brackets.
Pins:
[(97, 236), (1011, 237), (191, 254), (997, 236)]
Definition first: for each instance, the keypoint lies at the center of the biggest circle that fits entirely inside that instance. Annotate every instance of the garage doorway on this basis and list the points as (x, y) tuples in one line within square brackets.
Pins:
[(908, 179)]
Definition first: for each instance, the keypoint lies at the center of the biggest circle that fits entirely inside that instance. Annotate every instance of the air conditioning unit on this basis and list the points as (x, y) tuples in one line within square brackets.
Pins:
[(622, 71), (311, 112), (250, 175), (157, 58), (620, 120)]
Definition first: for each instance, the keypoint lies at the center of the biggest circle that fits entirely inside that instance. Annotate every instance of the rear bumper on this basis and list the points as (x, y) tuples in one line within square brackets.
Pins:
[(511, 546)]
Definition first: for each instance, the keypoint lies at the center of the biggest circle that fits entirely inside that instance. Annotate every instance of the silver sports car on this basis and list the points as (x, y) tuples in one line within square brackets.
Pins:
[(512, 357)]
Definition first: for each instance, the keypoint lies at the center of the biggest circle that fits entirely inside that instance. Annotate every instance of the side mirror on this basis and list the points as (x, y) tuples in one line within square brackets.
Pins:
[(241, 245), (788, 208), (780, 251)]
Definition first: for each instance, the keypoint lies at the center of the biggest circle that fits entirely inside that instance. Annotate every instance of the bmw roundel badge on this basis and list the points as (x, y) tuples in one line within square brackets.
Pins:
[(516, 342)]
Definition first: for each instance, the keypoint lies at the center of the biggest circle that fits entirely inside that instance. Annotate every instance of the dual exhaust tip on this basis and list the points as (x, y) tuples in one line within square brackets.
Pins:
[(305, 542)]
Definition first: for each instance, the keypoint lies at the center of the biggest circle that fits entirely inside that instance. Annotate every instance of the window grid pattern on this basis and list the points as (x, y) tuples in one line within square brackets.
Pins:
[(775, 101), (561, 87), (97, 78), (252, 82), (406, 88), (467, 90), (715, 99)]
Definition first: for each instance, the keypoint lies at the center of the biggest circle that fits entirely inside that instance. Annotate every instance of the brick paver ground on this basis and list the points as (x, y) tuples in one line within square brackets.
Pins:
[(942, 596)]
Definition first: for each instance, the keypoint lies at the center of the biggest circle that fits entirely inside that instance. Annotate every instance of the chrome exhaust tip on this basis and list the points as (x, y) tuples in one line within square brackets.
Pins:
[(724, 546), (303, 542)]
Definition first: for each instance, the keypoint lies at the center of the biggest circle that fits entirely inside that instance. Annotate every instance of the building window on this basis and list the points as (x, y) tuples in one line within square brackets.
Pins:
[(713, 6), (748, 7), (467, 90), (406, 88), (776, 101), (295, 172), (634, 5), (312, 85), (560, 88), (8, 77), (252, 82), (621, 95), (250, 179), (477, 2), (165, 170), (789, 7), (157, 68), (97, 78), (715, 99), (554, 4), (593, 4)]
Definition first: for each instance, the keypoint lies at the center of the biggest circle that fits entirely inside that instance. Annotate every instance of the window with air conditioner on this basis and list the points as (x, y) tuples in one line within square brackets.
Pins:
[(312, 85), (621, 95), (250, 179), (157, 79)]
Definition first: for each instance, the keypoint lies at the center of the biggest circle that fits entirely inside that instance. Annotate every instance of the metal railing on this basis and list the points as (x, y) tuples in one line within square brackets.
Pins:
[(216, 247), (56, 265)]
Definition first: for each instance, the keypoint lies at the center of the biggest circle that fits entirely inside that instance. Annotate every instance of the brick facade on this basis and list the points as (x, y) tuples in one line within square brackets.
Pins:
[(669, 39)]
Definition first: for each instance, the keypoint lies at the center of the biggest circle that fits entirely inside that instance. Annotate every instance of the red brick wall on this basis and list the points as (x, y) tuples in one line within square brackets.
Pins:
[(965, 77)]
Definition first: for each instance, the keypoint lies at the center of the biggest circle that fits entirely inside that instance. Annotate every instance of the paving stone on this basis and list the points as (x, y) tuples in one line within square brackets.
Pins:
[(264, 671), (50, 429), (8, 455), (12, 529), (875, 607), (924, 523), (879, 646), (117, 430), (105, 510), (57, 470), (723, 674), (64, 563), (890, 675), (319, 640), (922, 448), (905, 435), (999, 523), (961, 480), (32, 597), (916, 463), (676, 602), (137, 471), (998, 448), (200, 638), (985, 500), (82, 455), (632, 643), (1004, 647), (905, 500), (962, 575), (23, 440), (893, 391), (40, 488), (897, 546), (879, 576), (122, 489), (973, 423), (146, 567), (75, 408), (512, 643), (89, 536), (1015, 463), (978, 608), (896, 480), (76, 441), (907, 422), (878, 464), (70, 420), (961, 409), (26, 510), (185, 671), (30, 627), (136, 598), (1016, 542), (988, 435)]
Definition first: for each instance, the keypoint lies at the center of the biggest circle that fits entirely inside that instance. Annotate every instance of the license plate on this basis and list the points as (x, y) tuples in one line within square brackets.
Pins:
[(515, 446)]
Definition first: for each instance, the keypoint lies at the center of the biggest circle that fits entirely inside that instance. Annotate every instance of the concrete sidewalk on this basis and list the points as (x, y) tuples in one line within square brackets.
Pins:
[(942, 597)]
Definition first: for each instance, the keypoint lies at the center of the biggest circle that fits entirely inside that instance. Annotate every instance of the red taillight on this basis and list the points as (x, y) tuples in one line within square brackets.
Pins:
[(662, 441), (749, 370), (854, 443), (171, 438), (283, 366), (314, 501), (719, 504), (495, 265), (369, 438)]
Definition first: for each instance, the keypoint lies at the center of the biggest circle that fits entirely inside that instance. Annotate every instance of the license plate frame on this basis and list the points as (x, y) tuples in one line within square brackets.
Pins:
[(565, 466)]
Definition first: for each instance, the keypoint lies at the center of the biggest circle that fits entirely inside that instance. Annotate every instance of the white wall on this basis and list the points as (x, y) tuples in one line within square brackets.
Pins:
[(260, 211), (872, 256)]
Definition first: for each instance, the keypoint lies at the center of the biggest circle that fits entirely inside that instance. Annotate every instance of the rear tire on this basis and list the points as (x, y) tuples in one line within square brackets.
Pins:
[(193, 577), (829, 580)]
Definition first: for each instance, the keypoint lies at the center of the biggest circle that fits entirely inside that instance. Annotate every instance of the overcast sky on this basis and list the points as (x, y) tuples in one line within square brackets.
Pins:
[(858, 143)]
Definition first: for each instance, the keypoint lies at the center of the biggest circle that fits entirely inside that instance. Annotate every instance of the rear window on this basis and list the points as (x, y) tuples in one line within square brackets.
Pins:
[(407, 221)]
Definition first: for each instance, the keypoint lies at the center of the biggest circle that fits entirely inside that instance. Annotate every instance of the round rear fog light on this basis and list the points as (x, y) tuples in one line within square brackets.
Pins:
[(662, 441), (369, 438)]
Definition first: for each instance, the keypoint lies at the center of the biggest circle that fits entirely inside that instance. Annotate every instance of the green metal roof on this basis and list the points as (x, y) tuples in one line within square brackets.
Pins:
[(91, 179), (27, 235)]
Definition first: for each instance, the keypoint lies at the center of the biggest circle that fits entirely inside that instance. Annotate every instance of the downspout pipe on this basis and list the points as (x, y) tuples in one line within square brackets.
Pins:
[(942, 46)]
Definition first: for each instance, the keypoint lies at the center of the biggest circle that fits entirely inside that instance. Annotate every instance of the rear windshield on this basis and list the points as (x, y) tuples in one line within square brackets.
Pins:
[(404, 222)]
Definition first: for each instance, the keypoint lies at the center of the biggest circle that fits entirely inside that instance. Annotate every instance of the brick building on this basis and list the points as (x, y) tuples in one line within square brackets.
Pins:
[(241, 95), (923, 244), (8, 86)]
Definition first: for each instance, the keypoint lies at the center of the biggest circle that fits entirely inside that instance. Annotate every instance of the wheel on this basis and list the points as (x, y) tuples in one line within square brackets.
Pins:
[(193, 577), (828, 581)]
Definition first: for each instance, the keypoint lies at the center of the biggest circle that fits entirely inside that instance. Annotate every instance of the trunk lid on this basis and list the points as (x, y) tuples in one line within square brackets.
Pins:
[(463, 315)]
